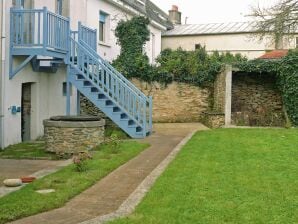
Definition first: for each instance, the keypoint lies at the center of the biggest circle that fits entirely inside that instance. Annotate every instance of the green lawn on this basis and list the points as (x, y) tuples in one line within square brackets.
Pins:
[(67, 182), (27, 150), (227, 176)]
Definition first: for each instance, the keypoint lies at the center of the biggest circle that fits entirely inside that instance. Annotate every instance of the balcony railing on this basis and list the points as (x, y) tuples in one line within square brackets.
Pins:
[(88, 35), (39, 28)]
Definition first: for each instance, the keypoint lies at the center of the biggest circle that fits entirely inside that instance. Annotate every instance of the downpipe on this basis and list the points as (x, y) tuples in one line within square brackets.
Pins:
[(2, 78)]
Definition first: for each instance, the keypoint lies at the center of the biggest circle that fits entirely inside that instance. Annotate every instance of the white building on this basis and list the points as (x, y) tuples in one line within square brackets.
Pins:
[(27, 97), (234, 37)]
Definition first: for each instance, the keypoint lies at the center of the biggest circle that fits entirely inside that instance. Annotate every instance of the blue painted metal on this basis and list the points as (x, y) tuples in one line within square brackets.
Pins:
[(78, 103), (49, 34), (19, 68), (38, 32), (88, 35)]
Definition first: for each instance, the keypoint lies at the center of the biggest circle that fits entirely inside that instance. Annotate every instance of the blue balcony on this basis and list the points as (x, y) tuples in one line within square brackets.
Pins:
[(38, 32)]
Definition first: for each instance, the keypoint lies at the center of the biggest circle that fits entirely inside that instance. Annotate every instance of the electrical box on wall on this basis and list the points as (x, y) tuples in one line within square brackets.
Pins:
[(15, 109)]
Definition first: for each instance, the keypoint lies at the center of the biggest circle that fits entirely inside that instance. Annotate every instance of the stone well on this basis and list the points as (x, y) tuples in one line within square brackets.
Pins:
[(72, 134)]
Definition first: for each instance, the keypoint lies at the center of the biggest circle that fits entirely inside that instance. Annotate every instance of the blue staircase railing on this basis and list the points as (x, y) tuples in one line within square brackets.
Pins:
[(88, 35), (125, 96)]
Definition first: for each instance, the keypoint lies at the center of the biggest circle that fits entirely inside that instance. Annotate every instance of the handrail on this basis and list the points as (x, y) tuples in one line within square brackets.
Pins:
[(95, 72), (118, 74), (88, 35)]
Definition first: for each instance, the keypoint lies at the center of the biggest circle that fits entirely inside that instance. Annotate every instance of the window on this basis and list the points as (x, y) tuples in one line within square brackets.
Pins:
[(59, 7), (18, 3), (198, 46), (103, 22), (64, 88)]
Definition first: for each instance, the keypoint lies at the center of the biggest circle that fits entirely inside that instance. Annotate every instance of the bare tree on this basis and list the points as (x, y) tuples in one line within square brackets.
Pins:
[(276, 21)]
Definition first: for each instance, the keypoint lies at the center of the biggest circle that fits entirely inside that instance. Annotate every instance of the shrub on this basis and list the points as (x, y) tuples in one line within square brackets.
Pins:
[(80, 160)]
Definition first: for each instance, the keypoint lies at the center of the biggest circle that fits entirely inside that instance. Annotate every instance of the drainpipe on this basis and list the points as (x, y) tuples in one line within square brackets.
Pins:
[(2, 75)]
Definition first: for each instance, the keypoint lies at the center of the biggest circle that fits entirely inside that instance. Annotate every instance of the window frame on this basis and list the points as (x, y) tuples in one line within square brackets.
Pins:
[(59, 5), (103, 25)]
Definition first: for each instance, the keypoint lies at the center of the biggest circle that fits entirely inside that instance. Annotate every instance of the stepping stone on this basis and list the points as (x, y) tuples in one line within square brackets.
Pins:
[(46, 191), (12, 182)]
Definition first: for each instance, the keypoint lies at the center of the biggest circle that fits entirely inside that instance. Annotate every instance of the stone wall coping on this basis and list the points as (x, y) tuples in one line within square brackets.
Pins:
[(74, 124)]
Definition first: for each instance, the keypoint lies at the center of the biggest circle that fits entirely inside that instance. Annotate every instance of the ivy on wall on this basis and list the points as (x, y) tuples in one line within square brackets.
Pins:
[(194, 67), (132, 36), (286, 71), (197, 67)]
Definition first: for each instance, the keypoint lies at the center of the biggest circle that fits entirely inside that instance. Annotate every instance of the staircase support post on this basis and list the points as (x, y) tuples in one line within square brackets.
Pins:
[(68, 91), (78, 103)]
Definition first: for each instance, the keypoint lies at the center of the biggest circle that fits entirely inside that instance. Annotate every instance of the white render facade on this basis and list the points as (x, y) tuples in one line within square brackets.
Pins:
[(223, 37), (46, 91)]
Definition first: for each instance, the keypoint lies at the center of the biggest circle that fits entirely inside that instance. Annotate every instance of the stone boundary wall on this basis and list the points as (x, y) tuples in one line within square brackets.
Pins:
[(174, 103), (177, 102), (256, 100), (219, 94)]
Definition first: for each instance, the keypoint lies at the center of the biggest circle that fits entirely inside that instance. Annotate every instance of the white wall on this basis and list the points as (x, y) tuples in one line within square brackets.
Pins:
[(245, 44), (110, 50), (46, 94)]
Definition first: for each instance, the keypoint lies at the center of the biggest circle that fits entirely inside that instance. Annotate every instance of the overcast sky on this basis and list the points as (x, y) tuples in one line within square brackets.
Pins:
[(209, 11)]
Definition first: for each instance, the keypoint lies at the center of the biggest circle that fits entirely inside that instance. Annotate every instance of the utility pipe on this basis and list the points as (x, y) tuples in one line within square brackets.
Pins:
[(2, 77)]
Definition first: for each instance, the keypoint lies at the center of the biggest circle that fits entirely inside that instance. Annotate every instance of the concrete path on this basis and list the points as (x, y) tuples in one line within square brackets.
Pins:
[(11, 169), (108, 194)]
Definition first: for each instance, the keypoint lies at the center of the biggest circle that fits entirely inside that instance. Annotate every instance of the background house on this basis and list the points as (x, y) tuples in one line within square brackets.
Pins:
[(234, 37)]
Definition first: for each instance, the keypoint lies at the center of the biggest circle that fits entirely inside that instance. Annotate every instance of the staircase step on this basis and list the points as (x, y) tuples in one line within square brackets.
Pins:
[(116, 110), (102, 96), (87, 84), (109, 103), (94, 90), (80, 77), (124, 116)]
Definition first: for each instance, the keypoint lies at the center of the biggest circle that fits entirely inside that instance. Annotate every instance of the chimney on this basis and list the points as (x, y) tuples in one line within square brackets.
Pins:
[(175, 15)]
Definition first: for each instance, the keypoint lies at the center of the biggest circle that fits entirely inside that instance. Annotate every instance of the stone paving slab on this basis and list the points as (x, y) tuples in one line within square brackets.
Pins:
[(107, 195)]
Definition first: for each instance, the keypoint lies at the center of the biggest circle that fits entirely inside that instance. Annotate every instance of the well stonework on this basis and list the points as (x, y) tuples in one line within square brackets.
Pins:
[(69, 137)]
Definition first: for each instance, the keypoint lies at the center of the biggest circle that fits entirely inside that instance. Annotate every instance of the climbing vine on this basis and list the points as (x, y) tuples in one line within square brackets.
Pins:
[(132, 36), (286, 71), (194, 67)]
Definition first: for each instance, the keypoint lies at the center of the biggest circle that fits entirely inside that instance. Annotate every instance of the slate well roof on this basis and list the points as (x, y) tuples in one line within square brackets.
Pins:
[(211, 28)]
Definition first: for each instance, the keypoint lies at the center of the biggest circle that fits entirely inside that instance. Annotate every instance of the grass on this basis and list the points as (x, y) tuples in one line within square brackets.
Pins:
[(115, 131), (67, 183), (27, 150), (36, 149), (227, 176)]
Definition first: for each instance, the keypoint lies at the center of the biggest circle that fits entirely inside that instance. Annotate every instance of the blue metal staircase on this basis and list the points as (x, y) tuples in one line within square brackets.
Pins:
[(36, 33)]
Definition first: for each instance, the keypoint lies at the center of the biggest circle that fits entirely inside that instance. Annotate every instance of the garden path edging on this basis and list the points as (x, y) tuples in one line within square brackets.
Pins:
[(129, 205)]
